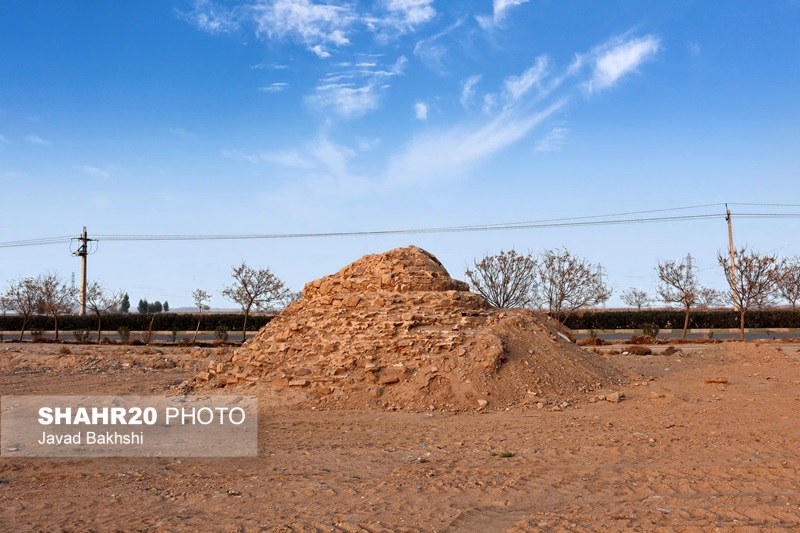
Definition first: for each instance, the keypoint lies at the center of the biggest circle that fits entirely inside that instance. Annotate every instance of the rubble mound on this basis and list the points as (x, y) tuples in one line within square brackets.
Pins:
[(395, 331)]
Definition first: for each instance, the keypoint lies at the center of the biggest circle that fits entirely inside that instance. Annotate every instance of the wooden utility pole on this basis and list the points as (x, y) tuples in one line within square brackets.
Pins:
[(732, 252), (82, 252)]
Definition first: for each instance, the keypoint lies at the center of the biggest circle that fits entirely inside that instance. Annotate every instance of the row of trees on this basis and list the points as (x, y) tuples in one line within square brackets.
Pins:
[(48, 294), (562, 283), (556, 281), (154, 307)]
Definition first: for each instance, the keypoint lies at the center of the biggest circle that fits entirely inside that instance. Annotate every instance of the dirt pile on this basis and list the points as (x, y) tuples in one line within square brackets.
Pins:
[(395, 331)]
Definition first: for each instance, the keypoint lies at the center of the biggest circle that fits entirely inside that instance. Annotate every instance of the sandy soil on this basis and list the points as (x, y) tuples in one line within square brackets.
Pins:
[(677, 454)]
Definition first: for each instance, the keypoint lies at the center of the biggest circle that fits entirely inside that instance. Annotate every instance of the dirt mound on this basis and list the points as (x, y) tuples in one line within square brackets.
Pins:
[(395, 331)]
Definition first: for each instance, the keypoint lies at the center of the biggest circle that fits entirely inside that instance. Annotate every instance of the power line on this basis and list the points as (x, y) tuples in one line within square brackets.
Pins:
[(581, 221), (36, 242), (764, 205), (447, 229), (768, 215)]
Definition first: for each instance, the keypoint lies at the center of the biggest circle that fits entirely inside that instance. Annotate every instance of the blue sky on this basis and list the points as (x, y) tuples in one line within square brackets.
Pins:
[(181, 117)]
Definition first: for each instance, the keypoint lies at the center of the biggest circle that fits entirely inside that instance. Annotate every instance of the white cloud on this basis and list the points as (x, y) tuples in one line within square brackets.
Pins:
[(93, 171), (318, 26), (448, 153), (345, 100), (401, 16), (211, 18), (264, 66), (553, 141), (321, 165), (35, 139), (412, 12), (421, 111), (515, 88), (353, 93), (433, 51), (274, 87), (518, 86), (619, 57), (284, 158), (367, 145), (489, 103), (695, 49), (499, 9), (320, 51), (501, 6), (468, 89)]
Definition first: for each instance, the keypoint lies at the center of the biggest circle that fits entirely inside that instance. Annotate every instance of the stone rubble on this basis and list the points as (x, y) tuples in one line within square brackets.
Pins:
[(395, 331)]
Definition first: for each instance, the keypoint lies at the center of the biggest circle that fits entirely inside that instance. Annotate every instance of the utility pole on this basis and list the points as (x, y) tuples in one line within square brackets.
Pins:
[(689, 266), (732, 253), (82, 252)]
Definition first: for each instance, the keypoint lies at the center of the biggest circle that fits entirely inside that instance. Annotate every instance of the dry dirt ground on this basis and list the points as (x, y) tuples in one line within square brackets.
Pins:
[(677, 453)]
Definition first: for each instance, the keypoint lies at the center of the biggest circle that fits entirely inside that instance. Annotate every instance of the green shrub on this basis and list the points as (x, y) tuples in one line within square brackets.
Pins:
[(650, 329), (124, 333), (221, 333), (81, 335)]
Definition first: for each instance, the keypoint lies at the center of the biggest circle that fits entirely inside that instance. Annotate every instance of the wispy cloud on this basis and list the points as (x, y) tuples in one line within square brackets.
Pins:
[(93, 171), (448, 153), (468, 90), (515, 87), (323, 164), (321, 27), (211, 18), (421, 111), (397, 17), (619, 57), (3, 139), (318, 26), (553, 141), (345, 100), (351, 93), (499, 9), (433, 50), (273, 66), (513, 110), (285, 158), (518, 86), (274, 87), (35, 139)]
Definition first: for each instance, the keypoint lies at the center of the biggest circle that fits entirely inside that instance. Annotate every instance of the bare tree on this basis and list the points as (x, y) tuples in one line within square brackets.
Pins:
[(708, 297), (506, 279), (789, 280), (253, 288), (636, 298), (201, 301), (54, 297), (21, 297), (678, 285), (100, 302), (753, 283), (567, 283)]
